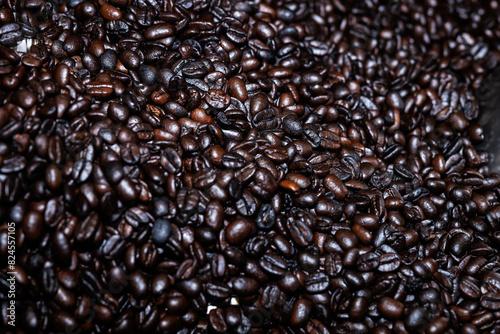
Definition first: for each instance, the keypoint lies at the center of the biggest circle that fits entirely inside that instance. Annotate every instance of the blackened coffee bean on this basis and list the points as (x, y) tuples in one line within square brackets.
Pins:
[(85, 10), (490, 300), (63, 320), (217, 290), (114, 172), (49, 282), (147, 74), (118, 112), (108, 60), (292, 125), (266, 217), (416, 320), (161, 231), (346, 239)]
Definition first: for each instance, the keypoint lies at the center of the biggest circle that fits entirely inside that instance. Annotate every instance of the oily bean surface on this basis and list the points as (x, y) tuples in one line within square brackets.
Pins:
[(249, 167)]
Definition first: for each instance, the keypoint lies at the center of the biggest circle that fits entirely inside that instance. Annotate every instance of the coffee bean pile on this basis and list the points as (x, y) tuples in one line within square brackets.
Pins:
[(215, 166)]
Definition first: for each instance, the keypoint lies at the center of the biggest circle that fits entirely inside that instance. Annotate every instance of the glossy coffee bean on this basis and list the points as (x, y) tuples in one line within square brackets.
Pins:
[(232, 167)]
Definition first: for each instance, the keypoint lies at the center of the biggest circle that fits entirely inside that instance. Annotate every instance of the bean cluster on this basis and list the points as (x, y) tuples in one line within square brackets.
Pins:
[(217, 166)]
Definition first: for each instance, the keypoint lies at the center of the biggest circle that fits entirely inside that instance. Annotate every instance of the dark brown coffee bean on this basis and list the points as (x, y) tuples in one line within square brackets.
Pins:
[(368, 261), (247, 204), (238, 89), (238, 230), (62, 248), (90, 230), (300, 312), (49, 281), (110, 12), (292, 125), (159, 31), (299, 231), (390, 308), (368, 221), (217, 290), (64, 320), (10, 34), (317, 283), (490, 300), (389, 262), (217, 322), (53, 177), (33, 225), (244, 286), (335, 185), (266, 217), (273, 265)]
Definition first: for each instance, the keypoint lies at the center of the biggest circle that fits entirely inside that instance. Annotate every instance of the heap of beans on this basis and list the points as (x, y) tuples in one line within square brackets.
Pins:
[(248, 167)]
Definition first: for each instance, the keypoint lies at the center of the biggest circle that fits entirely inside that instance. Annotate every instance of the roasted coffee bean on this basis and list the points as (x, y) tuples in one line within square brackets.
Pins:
[(416, 320), (147, 74), (317, 283), (299, 231), (300, 312), (49, 282), (266, 217), (10, 34), (273, 265), (217, 321), (292, 125), (368, 262), (390, 308), (138, 284), (336, 186), (330, 208), (490, 300), (33, 225), (61, 247), (346, 239), (159, 31), (110, 12), (217, 290), (161, 231), (238, 230), (389, 262), (238, 89), (63, 320), (108, 60)]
